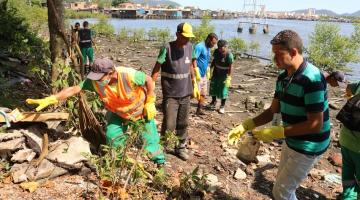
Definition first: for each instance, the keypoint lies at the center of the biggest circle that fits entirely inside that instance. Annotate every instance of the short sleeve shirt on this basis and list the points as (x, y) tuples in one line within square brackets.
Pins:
[(202, 55), (304, 92)]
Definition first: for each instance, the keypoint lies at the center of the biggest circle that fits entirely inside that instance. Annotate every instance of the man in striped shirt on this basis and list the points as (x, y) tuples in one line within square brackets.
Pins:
[(301, 98)]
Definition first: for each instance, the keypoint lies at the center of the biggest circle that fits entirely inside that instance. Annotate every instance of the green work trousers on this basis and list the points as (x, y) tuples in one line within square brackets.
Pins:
[(117, 127), (87, 53), (350, 174)]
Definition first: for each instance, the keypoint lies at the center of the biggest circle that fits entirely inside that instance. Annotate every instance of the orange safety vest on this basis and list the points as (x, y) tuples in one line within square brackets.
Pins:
[(127, 101)]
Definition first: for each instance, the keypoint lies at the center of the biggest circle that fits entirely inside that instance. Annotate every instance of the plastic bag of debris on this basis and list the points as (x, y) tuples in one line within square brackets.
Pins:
[(248, 148)]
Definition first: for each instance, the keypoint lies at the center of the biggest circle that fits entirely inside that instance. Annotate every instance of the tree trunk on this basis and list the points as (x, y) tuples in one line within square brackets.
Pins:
[(57, 42)]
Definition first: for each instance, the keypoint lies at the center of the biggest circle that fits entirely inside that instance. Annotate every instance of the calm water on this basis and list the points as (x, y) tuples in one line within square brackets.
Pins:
[(228, 28)]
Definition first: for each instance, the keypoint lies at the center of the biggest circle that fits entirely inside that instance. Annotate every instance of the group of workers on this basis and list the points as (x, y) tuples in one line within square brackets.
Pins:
[(84, 37), (300, 97)]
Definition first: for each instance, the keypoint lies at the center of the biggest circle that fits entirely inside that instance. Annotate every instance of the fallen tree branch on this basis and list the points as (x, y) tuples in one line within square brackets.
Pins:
[(255, 56)]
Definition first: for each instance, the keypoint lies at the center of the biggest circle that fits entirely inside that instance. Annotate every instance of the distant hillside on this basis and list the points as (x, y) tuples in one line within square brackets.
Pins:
[(156, 2), (329, 13), (355, 14), (319, 12)]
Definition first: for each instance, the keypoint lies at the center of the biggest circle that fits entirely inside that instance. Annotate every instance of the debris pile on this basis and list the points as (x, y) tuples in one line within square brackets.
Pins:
[(34, 158)]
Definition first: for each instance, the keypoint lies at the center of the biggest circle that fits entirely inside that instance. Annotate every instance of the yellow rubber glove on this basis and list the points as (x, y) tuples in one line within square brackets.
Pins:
[(43, 103), (236, 133), (269, 134), (197, 74), (196, 92), (149, 108), (208, 73), (228, 81)]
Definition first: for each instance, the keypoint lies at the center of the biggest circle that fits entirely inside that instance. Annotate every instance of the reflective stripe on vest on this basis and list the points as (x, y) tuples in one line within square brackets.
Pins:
[(222, 68), (84, 41), (126, 102), (174, 76)]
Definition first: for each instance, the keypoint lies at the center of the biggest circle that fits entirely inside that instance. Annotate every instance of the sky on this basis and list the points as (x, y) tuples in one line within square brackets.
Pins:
[(338, 6)]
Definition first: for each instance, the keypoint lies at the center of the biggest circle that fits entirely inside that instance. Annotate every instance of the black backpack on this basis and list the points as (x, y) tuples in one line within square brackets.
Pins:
[(349, 115)]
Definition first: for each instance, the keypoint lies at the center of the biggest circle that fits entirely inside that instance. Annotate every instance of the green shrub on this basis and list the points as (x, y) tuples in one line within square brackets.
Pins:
[(34, 16), (137, 35), (123, 34), (202, 31), (355, 37), (103, 27), (254, 47), (237, 45), (15, 35), (164, 35), (152, 33), (330, 50)]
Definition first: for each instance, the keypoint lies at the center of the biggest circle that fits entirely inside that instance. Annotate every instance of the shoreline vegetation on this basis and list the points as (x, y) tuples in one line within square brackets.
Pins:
[(328, 49)]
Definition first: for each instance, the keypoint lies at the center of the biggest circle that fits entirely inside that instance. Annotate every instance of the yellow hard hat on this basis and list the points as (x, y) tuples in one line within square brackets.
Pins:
[(185, 29)]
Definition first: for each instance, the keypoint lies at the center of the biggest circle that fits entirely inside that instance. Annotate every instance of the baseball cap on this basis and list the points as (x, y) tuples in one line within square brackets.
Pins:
[(185, 29), (339, 77), (100, 67)]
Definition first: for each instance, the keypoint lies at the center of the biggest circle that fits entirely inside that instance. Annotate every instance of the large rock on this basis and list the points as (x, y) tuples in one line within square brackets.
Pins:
[(11, 145), (70, 153), (29, 172), (212, 182), (46, 169), (239, 174), (263, 159), (23, 155), (18, 172)]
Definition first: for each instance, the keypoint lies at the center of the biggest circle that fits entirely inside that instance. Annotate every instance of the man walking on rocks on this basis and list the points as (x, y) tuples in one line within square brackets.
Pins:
[(86, 43), (202, 54), (301, 98), (127, 94), (176, 62)]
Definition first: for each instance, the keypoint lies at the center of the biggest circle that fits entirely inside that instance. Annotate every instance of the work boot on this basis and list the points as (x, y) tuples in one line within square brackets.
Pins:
[(182, 153)]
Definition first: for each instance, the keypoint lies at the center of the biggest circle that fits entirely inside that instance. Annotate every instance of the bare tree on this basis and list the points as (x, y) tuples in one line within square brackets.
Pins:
[(59, 44)]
